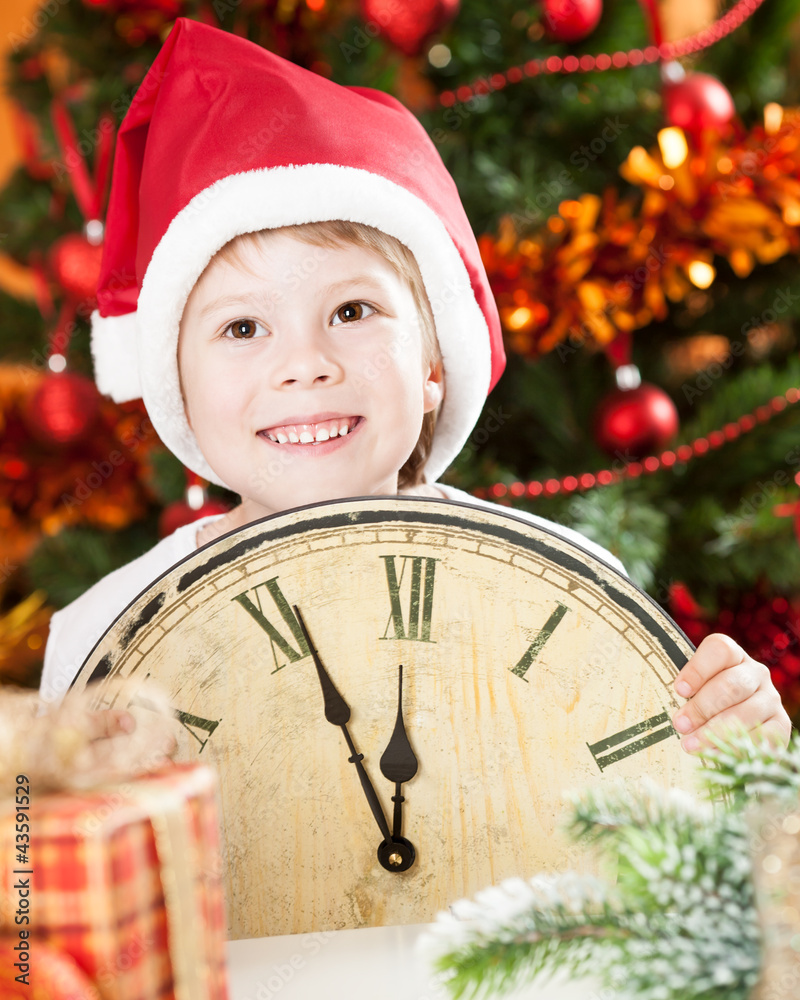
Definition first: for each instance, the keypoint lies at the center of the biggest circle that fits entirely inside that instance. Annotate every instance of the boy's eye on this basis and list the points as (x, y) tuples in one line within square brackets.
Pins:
[(350, 312), (244, 329)]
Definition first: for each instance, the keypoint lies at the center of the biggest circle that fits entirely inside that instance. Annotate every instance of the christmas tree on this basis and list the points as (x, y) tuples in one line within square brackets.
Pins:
[(632, 172)]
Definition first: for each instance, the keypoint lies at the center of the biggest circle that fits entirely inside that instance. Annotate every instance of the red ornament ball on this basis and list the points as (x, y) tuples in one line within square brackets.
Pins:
[(63, 409), (76, 265), (698, 102), (407, 25), (175, 515), (635, 422), (571, 20)]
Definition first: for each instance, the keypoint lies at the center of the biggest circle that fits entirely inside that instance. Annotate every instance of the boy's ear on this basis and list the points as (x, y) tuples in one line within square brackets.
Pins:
[(433, 389)]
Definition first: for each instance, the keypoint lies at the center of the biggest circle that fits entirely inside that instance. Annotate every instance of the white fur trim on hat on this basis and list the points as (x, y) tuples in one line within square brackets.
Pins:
[(291, 195), (115, 353)]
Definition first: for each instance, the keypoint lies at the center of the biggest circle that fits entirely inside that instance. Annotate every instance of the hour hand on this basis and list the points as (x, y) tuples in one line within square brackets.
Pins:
[(398, 763)]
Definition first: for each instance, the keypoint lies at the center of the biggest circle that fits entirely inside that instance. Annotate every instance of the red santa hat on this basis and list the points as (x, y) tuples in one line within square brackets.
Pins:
[(224, 137)]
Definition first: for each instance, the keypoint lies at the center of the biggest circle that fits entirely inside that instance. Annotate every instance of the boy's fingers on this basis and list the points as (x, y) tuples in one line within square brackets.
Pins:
[(757, 712), (110, 722), (776, 730), (715, 653), (726, 689)]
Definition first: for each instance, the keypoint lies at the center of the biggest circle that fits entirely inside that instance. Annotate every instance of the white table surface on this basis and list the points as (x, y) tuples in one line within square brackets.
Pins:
[(372, 963)]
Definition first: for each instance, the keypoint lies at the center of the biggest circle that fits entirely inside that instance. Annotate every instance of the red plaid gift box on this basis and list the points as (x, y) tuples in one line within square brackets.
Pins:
[(127, 880)]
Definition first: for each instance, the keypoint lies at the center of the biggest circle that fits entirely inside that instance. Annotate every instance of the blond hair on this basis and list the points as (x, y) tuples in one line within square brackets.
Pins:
[(334, 235)]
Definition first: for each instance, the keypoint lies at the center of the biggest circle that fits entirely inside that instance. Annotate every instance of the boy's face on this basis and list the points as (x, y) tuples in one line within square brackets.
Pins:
[(307, 383)]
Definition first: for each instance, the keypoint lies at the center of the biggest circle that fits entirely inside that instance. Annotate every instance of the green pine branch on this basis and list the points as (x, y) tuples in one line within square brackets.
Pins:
[(524, 929), (741, 775)]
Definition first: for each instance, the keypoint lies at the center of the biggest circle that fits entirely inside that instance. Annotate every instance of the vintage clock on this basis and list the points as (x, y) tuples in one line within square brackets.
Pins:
[(396, 692)]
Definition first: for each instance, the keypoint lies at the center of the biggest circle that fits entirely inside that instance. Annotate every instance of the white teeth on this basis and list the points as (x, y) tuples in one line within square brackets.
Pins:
[(307, 437)]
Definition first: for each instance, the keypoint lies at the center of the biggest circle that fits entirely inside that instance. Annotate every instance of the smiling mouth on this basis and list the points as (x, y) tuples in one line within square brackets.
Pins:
[(315, 433)]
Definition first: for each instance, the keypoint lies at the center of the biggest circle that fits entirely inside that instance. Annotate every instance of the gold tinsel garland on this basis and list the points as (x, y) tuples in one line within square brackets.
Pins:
[(600, 267)]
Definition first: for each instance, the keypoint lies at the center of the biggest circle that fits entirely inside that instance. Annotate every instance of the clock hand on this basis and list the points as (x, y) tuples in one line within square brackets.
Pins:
[(337, 711), (398, 763)]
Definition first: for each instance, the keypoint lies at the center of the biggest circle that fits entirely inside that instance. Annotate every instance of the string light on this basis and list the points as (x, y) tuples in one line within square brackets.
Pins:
[(519, 318), (773, 117), (673, 146), (439, 56), (700, 273)]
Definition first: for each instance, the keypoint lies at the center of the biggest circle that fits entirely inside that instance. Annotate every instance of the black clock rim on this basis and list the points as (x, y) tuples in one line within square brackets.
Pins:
[(367, 516)]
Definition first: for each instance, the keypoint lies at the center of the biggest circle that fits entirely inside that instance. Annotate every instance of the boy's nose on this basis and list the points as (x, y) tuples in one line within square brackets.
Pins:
[(305, 361)]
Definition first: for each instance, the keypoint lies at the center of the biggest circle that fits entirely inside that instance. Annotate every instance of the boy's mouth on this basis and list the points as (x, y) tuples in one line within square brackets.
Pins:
[(311, 433)]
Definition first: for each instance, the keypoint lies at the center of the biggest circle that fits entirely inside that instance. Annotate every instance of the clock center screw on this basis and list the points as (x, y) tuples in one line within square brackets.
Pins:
[(397, 854)]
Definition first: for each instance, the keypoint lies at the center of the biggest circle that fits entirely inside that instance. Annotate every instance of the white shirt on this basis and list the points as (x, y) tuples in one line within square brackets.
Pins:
[(77, 628)]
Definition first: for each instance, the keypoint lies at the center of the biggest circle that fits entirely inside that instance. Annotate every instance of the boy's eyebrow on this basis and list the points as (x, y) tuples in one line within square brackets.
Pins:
[(256, 297), (356, 279)]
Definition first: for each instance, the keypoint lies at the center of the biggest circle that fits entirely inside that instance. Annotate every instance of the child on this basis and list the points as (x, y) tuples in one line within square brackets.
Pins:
[(291, 284)]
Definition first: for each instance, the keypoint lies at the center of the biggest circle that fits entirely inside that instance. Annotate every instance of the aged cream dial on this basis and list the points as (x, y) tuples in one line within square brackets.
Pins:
[(529, 667)]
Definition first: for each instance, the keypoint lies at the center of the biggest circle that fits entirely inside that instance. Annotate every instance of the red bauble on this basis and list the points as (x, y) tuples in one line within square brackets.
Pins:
[(63, 409), (696, 103), (571, 20), (175, 515), (635, 422), (407, 25), (76, 265)]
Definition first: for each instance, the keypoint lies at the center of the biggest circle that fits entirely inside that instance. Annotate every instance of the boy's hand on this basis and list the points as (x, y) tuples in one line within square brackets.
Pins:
[(108, 723), (723, 684)]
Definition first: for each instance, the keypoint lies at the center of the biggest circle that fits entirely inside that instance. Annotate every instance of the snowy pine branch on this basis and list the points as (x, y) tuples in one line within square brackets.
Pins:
[(680, 923)]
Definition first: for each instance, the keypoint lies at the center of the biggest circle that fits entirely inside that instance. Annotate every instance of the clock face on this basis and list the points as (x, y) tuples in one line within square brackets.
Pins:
[(529, 667)]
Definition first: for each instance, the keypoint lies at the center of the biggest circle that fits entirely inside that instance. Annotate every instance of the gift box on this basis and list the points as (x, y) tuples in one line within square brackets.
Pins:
[(125, 878)]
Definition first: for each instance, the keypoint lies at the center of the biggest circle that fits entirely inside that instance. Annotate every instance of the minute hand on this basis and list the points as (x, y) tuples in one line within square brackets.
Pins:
[(337, 711)]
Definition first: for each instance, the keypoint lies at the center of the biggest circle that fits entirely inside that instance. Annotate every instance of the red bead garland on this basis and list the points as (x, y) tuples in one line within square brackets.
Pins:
[(704, 39), (682, 454)]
